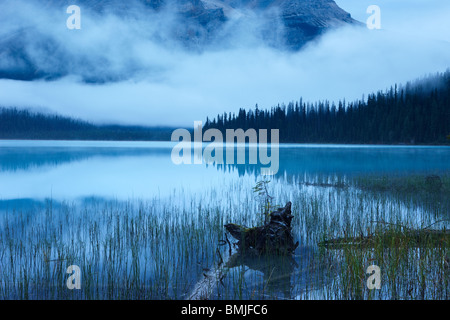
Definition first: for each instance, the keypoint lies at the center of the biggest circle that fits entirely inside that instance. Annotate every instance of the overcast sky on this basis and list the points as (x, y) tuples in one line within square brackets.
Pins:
[(345, 63)]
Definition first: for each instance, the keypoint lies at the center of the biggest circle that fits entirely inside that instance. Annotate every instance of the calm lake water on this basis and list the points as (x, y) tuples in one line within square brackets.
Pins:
[(97, 190), (73, 170)]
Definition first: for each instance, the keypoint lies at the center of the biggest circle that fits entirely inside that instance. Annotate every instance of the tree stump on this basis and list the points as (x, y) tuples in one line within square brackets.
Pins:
[(274, 237)]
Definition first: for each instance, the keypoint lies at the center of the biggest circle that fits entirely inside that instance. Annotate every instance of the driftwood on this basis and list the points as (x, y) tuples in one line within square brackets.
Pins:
[(274, 237)]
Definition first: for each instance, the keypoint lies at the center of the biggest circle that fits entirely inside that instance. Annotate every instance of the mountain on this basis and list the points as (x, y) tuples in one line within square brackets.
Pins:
[(36, 45), (301, 20), (287, 23)]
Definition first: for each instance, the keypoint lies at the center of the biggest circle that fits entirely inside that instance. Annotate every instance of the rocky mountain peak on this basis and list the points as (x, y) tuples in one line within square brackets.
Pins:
[(31, 52)]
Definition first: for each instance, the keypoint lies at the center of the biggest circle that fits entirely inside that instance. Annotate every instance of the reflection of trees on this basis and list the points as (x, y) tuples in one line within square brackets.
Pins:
[(14, 159), (283, 276), (349, 161), (408, 170)]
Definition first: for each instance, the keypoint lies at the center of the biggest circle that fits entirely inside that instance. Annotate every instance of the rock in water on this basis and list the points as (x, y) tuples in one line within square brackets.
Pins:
[(273, 237)]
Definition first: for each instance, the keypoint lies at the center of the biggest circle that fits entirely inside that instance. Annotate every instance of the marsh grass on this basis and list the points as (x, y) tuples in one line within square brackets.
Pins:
[(405, 183), (399, 223), (414, 263), (124, 252), (161, 248)]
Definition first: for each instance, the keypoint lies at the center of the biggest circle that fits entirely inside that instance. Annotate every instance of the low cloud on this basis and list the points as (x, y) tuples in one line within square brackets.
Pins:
[(156, 82)]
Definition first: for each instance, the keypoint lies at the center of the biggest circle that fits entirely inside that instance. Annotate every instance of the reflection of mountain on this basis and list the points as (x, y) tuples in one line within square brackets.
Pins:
[(294, 160), (14, 159)]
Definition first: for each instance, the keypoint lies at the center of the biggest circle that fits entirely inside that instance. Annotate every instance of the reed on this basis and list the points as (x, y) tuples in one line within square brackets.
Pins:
[(162, 247)]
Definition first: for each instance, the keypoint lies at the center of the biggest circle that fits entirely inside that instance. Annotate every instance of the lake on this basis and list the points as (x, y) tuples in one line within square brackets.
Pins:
[(73, 170), (141, 227)]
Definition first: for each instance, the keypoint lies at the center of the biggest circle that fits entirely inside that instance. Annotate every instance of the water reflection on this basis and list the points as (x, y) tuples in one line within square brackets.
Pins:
[(298, 160), (185, 207), (66, 170), (276, 271)]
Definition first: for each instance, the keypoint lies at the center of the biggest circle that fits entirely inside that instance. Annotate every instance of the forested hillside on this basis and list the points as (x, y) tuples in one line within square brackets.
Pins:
[(25, 124), (415, 113)]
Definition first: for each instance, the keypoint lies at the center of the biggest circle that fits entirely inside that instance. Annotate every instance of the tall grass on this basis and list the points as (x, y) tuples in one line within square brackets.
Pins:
[(160, 248)]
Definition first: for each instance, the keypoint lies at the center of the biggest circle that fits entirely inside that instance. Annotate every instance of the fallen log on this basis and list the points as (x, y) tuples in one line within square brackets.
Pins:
[(274, 237)]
